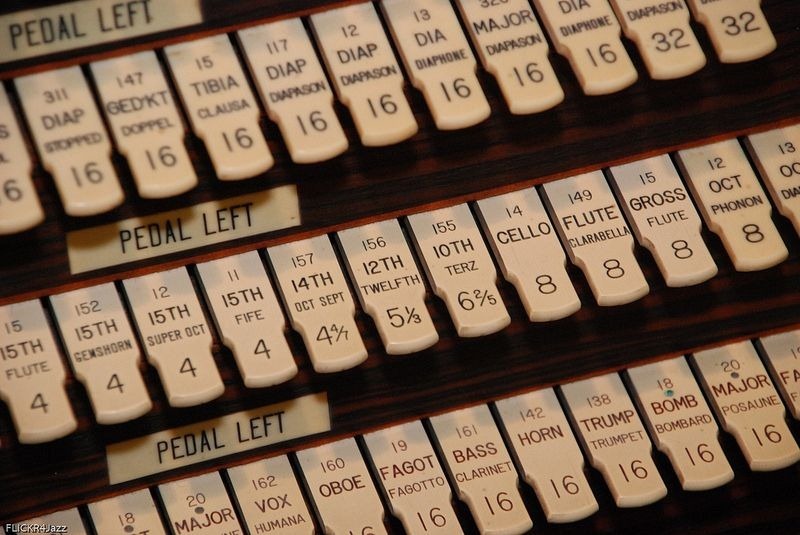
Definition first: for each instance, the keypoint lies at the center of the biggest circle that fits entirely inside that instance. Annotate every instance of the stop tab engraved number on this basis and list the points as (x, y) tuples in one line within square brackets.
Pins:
[(588, 34), (32, 375), (597, 237), (147, 127), (71, 140), (389, 285), (777, 156), (550, 458), (481, 469), (681, 423), (663, 36), (782, 352), (738, 30), (268, 495), (249, 318), (748, 405), (294, 89), (315, 293), (103, 352), (133, 512), (176, 337), (460, 269), (614, 437), (530, 255), (412, 479), (20, 208), (199, 505), (733, 204), (438, 59), (512, 47), (664, 219), (221, 106), (339, 483), (365, 73)]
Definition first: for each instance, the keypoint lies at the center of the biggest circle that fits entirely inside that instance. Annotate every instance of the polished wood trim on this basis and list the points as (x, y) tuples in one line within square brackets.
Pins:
[(505, 152), (436, 169)]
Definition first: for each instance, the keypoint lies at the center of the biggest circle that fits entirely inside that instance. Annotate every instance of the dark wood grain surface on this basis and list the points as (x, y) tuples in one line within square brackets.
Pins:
[(435, 169), (505, 152)]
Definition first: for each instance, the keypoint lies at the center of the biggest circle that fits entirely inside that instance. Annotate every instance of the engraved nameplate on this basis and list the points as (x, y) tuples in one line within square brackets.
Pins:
[(139, 238), (46, 30), (226, 435)]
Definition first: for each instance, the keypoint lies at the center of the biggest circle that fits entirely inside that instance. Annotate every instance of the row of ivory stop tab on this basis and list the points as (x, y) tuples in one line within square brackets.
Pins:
[(149, 131), (478, 453), (104, 351)]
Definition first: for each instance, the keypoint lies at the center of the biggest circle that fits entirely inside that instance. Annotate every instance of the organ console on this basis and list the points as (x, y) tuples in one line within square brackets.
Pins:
[(480, 266)]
